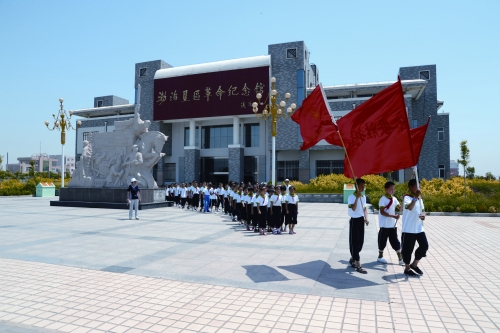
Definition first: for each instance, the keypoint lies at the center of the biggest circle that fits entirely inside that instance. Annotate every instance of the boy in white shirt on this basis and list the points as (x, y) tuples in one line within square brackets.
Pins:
[(359, 217), (292, 209), (275, 201), (413, 229), (387, 219), (183, 195)]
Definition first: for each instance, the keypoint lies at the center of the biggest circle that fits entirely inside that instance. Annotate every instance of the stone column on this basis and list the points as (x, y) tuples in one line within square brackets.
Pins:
[(192, 133), (304, 166), (191, 156), (236, 131)]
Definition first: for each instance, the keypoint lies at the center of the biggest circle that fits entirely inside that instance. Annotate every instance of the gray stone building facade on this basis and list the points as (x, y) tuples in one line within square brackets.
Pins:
[(247, 154)]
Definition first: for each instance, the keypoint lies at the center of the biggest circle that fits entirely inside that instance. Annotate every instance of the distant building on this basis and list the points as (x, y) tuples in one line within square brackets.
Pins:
[(453, 168), (43, 163)]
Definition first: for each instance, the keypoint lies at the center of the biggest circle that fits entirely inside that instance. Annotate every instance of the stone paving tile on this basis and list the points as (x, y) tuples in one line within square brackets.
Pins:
[(47, 283)]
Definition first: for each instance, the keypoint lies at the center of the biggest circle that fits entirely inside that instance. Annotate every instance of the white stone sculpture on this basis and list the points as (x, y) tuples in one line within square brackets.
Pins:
[(111, 159)]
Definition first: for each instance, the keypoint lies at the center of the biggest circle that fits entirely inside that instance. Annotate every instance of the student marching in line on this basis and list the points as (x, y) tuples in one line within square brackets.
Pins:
[(236, 205), (284, 219), (206, 198), (275, 212), (213, 200), (249, 209), (287, 185), (189, 194), (195, 201), (359, 217), (226, 199), (167, 192), (220, 197), (183, 195), (202, 196), (177, 194), (387, 219), (244, 200), (413, 229), (255, 210), (292, 209), (262, 201), (269, 193)]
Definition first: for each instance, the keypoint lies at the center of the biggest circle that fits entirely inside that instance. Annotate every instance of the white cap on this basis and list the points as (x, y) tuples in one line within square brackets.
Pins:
[(287, 180), (133, 180)]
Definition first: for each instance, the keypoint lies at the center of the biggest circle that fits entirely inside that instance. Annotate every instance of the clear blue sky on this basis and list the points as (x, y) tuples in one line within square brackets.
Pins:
[(81, 49)]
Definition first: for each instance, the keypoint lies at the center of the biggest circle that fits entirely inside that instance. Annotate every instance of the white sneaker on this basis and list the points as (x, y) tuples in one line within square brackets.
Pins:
[(382, 260), (401, 262)]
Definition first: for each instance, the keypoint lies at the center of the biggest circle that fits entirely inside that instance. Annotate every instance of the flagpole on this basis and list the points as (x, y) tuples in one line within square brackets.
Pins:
[(340, 136), (418, 187)]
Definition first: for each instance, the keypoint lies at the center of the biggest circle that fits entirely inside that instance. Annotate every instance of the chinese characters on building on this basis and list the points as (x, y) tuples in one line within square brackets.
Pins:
[(221, 93)]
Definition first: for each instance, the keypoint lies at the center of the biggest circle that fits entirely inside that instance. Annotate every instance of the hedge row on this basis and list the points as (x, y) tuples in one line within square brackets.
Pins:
[(479, 195)]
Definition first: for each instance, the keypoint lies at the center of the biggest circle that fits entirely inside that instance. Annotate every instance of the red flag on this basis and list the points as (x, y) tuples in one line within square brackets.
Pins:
[(417, 139), (314, 118), (376, 134)]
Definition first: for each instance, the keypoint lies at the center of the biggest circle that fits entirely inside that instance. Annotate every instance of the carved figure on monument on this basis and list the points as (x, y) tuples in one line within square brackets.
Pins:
[(116, 173)]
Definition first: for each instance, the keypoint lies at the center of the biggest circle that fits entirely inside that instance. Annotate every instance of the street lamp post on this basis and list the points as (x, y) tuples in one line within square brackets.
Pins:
[(273, 110), (62, 122)]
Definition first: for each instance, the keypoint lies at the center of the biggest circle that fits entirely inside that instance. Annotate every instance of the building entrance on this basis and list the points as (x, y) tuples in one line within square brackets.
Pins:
[(214, 170)]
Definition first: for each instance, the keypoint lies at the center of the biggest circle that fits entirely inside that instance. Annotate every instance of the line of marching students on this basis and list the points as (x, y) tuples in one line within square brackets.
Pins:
[(261, 207)]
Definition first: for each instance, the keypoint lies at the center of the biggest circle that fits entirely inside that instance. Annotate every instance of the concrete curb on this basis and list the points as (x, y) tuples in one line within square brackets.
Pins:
[(456, 214)]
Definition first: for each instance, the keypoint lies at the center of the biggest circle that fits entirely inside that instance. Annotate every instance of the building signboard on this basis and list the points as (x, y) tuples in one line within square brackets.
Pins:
[(214, 94)]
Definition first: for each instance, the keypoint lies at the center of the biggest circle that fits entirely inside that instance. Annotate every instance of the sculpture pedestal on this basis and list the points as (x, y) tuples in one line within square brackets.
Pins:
[(115, 198)]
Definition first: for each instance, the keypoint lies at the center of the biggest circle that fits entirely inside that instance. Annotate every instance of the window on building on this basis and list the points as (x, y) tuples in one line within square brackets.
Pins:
[(425, 75), (216, 136), (88, 135), (142, 72), (250, 169), (414, 123), (196, 136), (291, 53), (288, 169), (251, 135), (326, 167), (99, 103), (168, 172), (440, 133), (441, 171)]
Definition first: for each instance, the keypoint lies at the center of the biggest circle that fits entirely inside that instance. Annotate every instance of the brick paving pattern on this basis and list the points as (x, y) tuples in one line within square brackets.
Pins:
[(92, 270)]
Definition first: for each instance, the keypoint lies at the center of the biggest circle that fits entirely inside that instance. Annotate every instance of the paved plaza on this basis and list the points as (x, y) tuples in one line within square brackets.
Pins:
[(93, 270)]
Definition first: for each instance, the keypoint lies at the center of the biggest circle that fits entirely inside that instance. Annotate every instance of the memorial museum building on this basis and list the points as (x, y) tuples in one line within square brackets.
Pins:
[(213, 134)]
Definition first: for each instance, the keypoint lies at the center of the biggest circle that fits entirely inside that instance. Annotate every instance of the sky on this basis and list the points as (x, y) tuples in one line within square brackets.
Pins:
[(82, 49)]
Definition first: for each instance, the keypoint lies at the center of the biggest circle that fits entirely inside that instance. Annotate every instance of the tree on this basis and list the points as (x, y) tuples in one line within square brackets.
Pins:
[(1, 162), (465, 160), (470, 172), (32, 168), (490, 176)]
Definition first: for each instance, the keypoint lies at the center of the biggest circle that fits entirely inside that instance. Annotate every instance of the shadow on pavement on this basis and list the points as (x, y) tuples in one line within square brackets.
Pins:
[(263, 273), (338, 278)]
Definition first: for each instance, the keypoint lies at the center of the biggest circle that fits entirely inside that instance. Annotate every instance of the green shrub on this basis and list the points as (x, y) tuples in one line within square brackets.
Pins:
[(468, 208), (447, 208), (492, 209)]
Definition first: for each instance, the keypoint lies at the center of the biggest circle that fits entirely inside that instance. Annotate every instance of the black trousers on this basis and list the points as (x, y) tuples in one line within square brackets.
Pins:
[(243, 212), (262, 217), (226, 205), (195, 200), (249, 208), (255, 217), (408, 242), (292, 214), (183, 202), (283, 215), (276, 217), (239, 207), (356, 236), (177, 199), (392, 234)]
